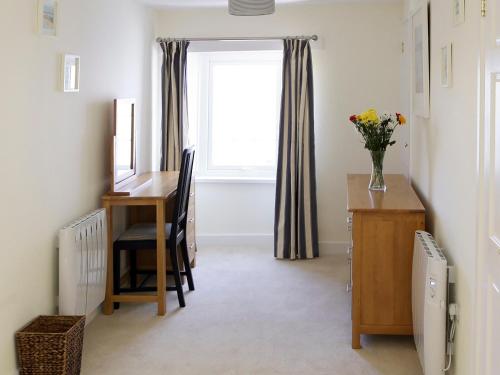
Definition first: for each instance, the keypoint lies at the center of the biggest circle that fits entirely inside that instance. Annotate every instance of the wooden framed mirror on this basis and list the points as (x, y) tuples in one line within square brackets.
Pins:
[(123, 155)]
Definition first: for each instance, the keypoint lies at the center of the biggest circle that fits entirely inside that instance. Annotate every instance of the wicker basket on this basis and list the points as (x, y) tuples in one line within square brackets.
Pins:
[(51, 345)]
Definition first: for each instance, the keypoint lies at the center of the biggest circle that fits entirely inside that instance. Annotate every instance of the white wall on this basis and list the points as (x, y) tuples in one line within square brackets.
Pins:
[(356, 66), (235, 213), (54, 145), (444, 160)]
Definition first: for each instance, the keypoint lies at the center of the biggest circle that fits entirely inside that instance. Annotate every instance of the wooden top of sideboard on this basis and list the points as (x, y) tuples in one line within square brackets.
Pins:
[(399, 196)]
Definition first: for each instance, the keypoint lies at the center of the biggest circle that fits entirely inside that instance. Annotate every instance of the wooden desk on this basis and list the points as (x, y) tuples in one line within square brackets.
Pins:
[(382, 227), (149, 189)]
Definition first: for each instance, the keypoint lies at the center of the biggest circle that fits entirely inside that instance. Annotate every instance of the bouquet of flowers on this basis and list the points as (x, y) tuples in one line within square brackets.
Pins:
[(377, 133)]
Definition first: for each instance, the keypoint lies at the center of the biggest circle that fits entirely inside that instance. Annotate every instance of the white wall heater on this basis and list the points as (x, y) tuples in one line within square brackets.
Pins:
[(429, 287), (82, 265)]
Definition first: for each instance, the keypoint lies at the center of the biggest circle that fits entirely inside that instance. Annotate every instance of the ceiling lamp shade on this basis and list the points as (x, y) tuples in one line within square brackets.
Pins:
[(251, 7)]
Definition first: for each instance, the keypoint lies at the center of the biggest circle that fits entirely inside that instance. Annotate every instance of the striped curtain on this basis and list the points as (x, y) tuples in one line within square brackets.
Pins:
[(296, 224), (174, 103)]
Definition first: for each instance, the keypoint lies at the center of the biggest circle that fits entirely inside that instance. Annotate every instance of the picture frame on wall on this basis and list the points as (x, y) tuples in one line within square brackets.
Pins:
[(420, 61), (446, 65), (458, 11), (47, 17), (70, 76)]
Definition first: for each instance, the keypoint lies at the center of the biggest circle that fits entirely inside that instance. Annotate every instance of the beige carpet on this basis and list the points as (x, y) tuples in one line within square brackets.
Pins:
[(250, 314)]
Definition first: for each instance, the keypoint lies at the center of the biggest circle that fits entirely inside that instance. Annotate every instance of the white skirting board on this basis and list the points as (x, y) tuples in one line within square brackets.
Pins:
[(251, 239), (262, 239), (333, 247)]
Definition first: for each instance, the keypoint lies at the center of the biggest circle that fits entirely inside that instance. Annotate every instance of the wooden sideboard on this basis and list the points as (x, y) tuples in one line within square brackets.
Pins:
[(382, 227)]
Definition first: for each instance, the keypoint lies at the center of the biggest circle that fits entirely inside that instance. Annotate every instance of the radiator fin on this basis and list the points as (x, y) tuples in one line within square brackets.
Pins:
[(82, 264), (429, 284)]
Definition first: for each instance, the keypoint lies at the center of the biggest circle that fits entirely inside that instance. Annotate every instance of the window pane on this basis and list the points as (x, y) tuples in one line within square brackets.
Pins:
[(244, 113)]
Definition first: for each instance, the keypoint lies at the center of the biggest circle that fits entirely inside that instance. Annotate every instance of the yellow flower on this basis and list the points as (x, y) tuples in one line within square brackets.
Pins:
[(369, 116)]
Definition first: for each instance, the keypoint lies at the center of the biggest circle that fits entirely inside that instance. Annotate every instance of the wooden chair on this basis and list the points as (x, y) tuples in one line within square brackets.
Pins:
[(143, 236)]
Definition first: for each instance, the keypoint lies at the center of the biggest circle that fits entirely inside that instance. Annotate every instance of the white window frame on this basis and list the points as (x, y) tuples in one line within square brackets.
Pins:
[(206, 170)]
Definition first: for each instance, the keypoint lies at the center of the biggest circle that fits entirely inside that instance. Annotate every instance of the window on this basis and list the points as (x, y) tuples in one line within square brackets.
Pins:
[(234, 104)]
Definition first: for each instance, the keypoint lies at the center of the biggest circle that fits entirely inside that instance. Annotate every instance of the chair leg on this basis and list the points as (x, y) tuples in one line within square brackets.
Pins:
[(116, 274), (177, 275), (133, 269), (187, 265)]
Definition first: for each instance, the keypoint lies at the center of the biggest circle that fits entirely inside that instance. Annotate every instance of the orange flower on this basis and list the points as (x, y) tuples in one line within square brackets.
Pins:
[(401, 119)]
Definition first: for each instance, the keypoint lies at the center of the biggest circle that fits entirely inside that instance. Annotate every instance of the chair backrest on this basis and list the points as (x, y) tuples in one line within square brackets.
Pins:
[(183, 187)]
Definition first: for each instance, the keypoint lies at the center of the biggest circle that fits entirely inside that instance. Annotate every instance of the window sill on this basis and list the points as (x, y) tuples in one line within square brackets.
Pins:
[(235, 180)]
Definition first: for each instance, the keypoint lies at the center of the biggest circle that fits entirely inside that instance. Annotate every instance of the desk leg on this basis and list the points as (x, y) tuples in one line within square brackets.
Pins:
[(161, 273), (108, 301)]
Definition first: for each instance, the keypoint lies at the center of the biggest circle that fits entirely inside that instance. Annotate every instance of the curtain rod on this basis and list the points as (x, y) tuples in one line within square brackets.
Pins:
[(309, 37)]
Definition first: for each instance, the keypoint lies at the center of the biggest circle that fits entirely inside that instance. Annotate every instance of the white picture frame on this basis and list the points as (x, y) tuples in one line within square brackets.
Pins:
[(47, 18), (70, 75), (446, 65), (458, 11), (420, 61)]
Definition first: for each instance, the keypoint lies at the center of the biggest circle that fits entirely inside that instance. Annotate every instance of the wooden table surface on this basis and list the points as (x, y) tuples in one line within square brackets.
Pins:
[(150, 185), (401, 197)]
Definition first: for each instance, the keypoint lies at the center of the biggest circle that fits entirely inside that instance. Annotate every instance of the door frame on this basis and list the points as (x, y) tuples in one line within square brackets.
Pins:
[(486, 81)]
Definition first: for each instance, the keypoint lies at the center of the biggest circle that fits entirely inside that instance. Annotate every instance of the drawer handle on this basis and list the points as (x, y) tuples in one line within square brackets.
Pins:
[(348, 287), (349, 220), (190, 220), (191, 246), (191, 194)]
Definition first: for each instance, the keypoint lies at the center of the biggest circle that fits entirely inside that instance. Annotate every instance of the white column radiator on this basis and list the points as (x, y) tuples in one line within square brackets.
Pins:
[(82, 264), (429, 286)]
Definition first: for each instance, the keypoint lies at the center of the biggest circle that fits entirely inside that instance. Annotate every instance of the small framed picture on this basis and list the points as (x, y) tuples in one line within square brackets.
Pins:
[(70, 73), (47, 17), (446, 65), (458, 11)]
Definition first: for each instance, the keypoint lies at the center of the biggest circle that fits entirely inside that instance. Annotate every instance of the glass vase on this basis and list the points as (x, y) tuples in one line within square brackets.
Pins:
[(377, 178)]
